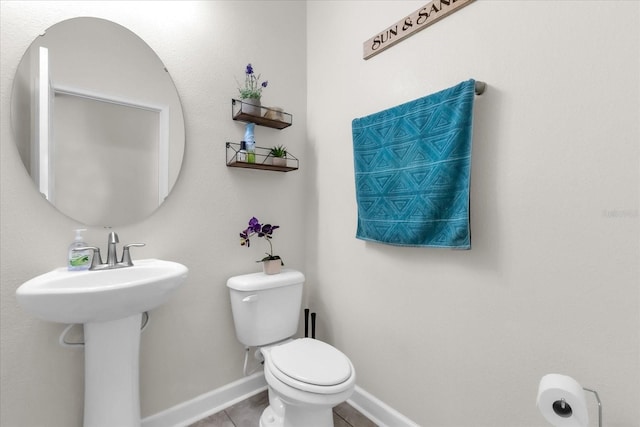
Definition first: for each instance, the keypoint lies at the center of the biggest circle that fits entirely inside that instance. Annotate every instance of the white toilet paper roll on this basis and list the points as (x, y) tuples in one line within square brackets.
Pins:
[(562, 401)]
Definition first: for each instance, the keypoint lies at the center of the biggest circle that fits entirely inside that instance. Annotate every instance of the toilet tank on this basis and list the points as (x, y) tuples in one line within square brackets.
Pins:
[(266, 308)]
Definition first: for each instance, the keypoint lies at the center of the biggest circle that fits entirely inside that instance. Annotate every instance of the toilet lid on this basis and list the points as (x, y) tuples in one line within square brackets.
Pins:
[(311, 361)]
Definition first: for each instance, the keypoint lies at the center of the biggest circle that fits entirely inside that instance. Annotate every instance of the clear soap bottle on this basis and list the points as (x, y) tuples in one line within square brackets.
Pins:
[(242, 153), (78, 260)]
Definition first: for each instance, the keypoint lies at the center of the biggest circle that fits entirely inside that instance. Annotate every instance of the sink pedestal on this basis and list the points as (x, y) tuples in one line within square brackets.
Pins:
[(111, 380)]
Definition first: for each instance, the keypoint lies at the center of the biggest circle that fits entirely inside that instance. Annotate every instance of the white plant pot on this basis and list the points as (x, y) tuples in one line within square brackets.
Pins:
[(273, 266), (279, 161), (252, 106)]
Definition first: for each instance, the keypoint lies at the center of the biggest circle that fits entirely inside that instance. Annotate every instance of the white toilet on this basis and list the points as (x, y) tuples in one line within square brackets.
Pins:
[(306, 377)]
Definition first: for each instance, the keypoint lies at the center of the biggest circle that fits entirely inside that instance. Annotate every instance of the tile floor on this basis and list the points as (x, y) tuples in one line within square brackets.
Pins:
[(247, 414)]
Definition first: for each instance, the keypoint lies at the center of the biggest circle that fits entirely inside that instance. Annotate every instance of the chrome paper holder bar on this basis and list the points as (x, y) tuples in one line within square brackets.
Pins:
[(599, 405)]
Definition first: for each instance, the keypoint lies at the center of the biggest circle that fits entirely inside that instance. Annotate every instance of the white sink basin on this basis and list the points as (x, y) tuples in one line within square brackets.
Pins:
[(97, 296)]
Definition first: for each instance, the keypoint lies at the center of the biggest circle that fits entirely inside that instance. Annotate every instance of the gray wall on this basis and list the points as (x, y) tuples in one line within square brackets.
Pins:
[(456, 338), (189, 347)]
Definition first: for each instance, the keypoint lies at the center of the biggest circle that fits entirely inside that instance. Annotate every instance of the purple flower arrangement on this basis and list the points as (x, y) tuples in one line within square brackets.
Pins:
[(252, 86), (261, 230)]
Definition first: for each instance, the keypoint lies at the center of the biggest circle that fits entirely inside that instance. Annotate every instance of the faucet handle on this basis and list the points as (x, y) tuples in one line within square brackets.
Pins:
[(96, 259), (126, 255)]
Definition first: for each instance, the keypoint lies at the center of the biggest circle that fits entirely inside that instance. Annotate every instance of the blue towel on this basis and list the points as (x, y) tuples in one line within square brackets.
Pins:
[(412, 169)]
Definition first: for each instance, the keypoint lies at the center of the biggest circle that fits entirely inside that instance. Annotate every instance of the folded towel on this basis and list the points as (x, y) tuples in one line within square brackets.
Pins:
[(412, 169)]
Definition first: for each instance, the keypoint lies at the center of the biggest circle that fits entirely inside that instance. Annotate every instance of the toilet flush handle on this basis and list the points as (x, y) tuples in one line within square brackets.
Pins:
[(250, 298)]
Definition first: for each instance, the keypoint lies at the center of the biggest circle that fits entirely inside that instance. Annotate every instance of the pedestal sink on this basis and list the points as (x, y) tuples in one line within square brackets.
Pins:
[(110, 304)]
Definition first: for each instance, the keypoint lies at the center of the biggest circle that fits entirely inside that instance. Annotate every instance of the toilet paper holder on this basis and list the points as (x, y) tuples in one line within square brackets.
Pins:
[(563, 409)]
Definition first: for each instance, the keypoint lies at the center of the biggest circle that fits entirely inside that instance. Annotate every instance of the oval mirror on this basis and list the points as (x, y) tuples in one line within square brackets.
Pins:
[(98, 122)]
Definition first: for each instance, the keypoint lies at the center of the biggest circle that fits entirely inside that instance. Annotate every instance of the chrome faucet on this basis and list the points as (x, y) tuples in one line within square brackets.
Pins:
[(111, 250), (112, 254)]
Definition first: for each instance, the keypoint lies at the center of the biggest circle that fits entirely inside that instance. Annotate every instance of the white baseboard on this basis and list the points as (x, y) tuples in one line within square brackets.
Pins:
[(202, 406), (378, 411), (189, 412)]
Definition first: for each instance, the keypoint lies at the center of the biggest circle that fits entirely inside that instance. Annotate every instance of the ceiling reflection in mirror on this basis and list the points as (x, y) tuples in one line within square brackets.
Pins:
[(98, 122)]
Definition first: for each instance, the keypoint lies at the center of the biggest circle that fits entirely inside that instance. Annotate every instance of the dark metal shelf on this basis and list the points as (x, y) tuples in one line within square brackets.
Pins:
[(263, 159), (268, 116)]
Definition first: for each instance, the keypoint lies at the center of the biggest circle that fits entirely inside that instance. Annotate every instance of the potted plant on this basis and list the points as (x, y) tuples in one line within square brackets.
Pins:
[(271, 264), (251, 92), (279, 154)]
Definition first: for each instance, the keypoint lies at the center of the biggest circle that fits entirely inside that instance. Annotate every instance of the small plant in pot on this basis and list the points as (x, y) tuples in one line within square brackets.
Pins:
[(251, 92), (271, 263), (252, 88), (279, 154)]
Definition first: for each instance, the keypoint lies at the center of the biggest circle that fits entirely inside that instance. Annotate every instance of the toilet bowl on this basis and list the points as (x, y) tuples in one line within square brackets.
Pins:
[(306, 379)]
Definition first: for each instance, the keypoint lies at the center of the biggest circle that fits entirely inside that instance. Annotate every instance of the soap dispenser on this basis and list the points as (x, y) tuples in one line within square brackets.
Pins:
[(78, 260)]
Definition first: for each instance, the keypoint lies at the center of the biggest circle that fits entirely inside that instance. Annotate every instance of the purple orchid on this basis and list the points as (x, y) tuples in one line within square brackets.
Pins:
[(261, 230)]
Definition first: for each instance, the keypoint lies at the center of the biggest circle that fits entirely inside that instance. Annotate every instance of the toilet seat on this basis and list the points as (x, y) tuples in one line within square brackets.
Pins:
[(310, 365)]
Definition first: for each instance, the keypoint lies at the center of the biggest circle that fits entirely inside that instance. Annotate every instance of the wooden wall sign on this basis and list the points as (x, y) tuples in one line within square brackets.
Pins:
[(430, 13)]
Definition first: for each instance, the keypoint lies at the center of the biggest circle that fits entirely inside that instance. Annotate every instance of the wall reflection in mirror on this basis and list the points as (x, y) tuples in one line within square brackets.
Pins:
[(98, 122)]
